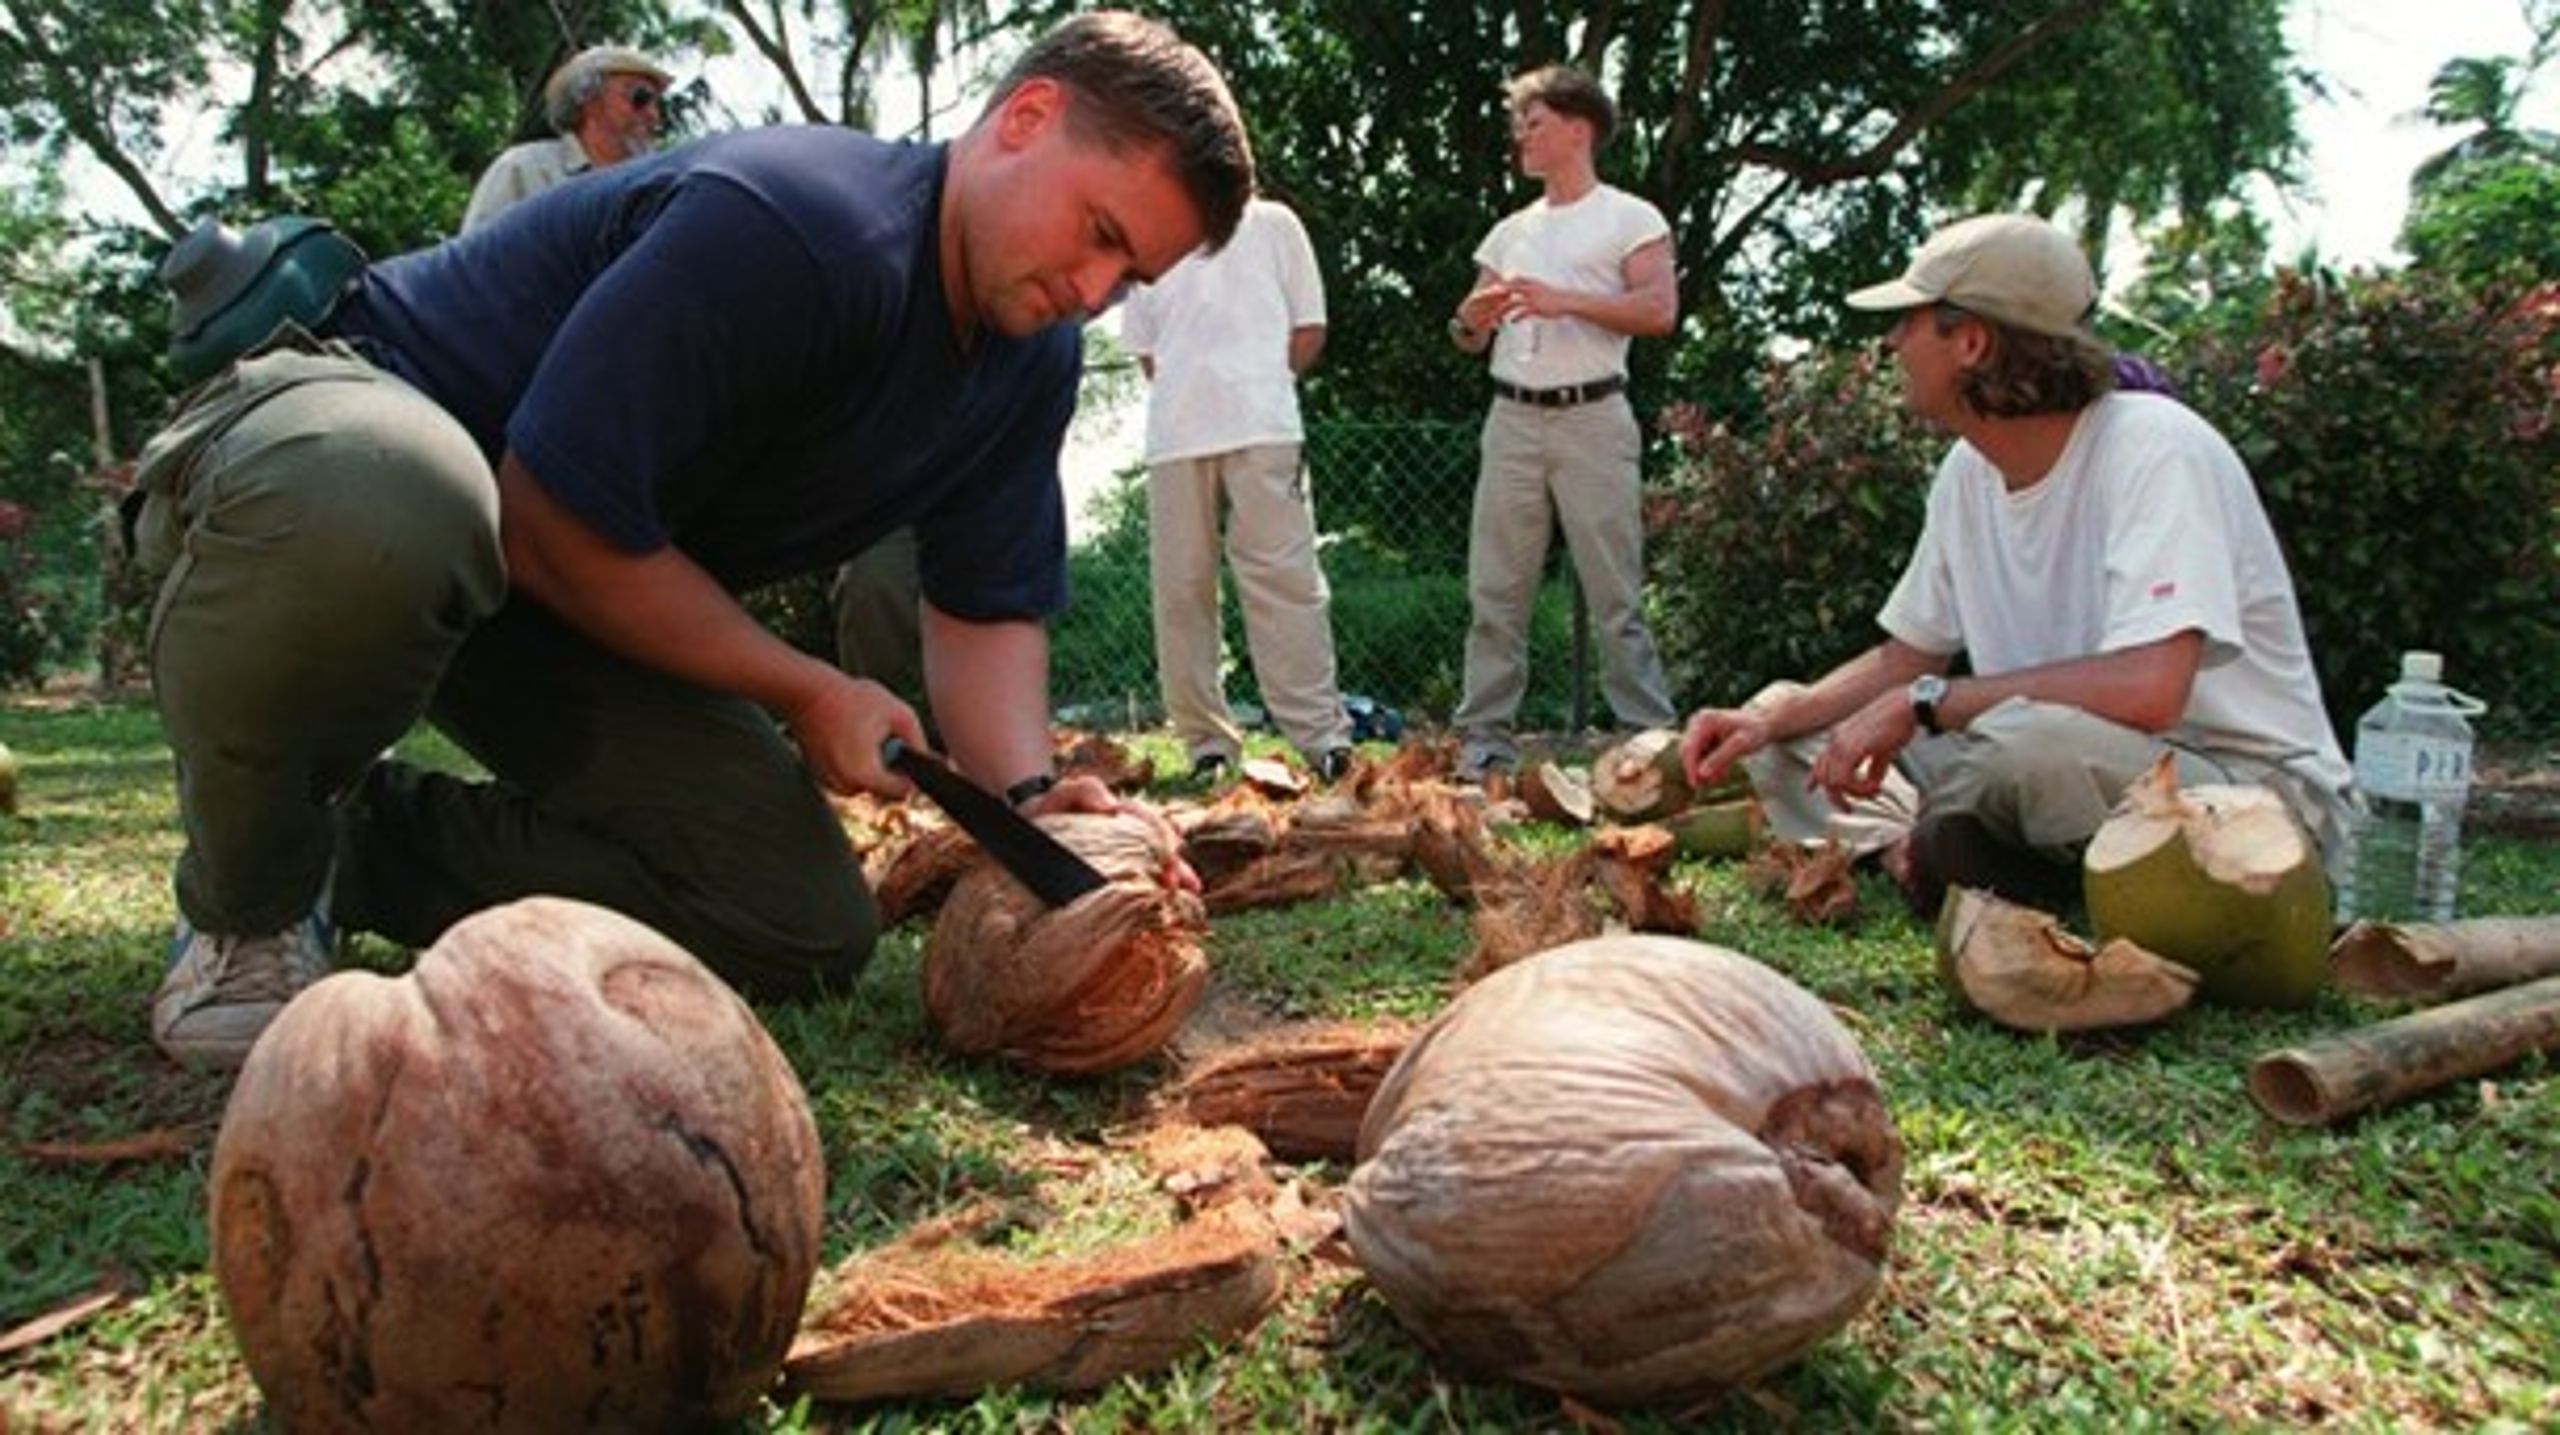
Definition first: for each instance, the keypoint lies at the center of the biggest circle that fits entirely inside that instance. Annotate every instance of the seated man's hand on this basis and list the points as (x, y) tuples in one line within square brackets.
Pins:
[(1717, 738), (840, 731), (1855, 762)]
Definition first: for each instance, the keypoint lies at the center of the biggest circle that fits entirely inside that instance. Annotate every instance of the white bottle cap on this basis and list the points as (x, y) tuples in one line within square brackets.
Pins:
[(2420, 666)]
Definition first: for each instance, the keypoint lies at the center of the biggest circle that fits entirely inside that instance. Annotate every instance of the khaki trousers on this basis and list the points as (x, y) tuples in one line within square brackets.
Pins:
[(1580, 466), (2044, 775), (1271, 548), (327, 541)]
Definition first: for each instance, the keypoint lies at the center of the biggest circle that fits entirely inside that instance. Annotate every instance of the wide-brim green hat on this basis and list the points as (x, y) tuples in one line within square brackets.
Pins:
[(233, 288)]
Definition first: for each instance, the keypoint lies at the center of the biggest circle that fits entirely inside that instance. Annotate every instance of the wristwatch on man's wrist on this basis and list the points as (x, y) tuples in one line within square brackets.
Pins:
[(1029, 788), (1927, 691)]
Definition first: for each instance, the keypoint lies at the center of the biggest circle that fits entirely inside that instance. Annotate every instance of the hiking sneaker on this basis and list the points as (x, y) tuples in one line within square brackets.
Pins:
[(1334, 765), (221, 991), (1209, 767), (1476, 763)]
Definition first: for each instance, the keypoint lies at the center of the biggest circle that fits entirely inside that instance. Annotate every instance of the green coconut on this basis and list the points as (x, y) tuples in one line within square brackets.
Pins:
[(1718, 829), (2018, 966), (1642, 778), (2219, 878)]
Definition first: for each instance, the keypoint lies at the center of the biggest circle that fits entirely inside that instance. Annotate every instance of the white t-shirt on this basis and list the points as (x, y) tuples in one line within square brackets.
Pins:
[(1583, 247), (1217, 327), (2146, 527), (519, 173)]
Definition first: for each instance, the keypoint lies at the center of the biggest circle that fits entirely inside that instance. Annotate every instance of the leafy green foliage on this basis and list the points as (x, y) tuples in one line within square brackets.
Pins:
[(2489, 223), (1774, 546), (2405, 435)]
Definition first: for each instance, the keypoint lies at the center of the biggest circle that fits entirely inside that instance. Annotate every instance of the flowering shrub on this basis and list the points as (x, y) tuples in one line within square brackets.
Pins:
[(1773, 549), (2405, 435)]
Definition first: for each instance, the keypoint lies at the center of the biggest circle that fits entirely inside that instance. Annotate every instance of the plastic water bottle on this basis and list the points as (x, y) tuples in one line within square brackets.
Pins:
[(2413, 765)]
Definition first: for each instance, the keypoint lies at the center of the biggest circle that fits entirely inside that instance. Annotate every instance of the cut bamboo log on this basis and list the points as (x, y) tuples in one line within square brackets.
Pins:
[(2406, 961), (2338, 1076)]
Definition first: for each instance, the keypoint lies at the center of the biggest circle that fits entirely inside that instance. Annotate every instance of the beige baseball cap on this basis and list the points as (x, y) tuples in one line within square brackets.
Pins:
[(2015, 268)]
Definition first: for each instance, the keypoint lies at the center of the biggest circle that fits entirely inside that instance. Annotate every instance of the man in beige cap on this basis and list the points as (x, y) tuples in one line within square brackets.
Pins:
[(607, 104), (2100, 559)]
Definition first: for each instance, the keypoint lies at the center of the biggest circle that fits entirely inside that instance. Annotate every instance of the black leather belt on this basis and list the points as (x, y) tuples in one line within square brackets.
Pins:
[(1565, 397)]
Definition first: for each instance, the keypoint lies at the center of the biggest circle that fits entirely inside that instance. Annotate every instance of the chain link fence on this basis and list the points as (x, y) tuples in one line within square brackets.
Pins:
[(1392, 500)]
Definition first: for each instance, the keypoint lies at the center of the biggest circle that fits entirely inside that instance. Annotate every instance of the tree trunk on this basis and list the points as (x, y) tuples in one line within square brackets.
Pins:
[(2338, 1076)]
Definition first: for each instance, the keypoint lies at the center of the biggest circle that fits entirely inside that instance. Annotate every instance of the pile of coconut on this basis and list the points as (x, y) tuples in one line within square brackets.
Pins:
[(1632, 1169)]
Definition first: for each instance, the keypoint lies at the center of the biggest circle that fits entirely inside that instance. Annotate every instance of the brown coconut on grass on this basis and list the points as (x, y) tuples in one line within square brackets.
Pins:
[(1636, 1170), (2221, 879), (1093, 986), (555, 1178)]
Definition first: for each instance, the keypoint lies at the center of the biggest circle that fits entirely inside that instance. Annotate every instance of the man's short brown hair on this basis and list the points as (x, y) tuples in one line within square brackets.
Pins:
[(2029, 372), (1136, 83), (1568, 92)]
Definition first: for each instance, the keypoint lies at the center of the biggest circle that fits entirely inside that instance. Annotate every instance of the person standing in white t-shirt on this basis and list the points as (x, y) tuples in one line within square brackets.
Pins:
[(1223, 338), (2103, 563), (1561, 287)]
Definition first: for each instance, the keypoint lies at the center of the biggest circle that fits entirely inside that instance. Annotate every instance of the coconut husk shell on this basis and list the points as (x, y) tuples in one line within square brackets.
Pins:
[(2019, 967), (1814, 883), (1092, 986), (1531, 909), (1715, 830), (917, 875), (1302, 1090), (556, 1170), (1281, 879), (1229, 833), (1634, 1170), (1450, 846), (1632, 865), (2220, 879), (935, 1316), (1106, 760), (1273, 778), (1557, 794), (1642, 778)]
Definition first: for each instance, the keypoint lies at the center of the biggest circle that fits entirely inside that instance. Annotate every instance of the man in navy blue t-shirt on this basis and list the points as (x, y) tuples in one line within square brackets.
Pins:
[(516, 484)]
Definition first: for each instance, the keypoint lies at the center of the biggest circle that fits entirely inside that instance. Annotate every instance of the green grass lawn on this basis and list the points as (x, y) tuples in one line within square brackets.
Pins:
[(2099, 1233)]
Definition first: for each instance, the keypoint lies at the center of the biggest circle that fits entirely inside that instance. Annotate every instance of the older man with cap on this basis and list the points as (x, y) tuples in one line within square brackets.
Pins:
[(2101, 561), (606, 105)]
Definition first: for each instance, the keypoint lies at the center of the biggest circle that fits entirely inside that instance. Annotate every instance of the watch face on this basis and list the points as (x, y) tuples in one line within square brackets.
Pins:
[(1928, 688)]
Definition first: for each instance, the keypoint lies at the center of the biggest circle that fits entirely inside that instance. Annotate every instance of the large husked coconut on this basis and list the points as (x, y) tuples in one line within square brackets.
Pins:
[(1092, 986), (2220, 879), (1637, 1170), (555, 1178)]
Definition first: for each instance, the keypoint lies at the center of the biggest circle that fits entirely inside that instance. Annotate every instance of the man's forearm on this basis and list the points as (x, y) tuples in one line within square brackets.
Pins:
[(989, 690), (1851, 686), (2144, 688)]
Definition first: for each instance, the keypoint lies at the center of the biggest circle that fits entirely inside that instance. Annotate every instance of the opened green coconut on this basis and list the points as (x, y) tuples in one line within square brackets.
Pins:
[(2218, 878), (1642, 778)]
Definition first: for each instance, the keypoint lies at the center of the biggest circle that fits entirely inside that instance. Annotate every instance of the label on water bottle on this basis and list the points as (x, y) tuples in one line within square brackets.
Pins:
[(2412, 766)]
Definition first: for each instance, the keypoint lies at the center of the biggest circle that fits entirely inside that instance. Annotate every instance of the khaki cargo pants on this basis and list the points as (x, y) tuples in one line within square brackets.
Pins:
[(2042, 774), (326, 541)]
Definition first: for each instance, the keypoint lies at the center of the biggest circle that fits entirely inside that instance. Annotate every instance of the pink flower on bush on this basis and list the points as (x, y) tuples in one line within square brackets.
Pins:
[(2274, 362), (14, 519)]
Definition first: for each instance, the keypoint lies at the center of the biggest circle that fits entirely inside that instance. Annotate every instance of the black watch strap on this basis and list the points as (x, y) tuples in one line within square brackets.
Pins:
[(1029, 788)]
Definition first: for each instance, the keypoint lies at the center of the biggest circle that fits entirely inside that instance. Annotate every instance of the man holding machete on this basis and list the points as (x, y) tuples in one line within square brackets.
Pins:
[(513, 483)]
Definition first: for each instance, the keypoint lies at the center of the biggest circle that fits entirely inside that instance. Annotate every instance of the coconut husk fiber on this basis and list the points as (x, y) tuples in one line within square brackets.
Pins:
[(936, 1315), (1093, 986)]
